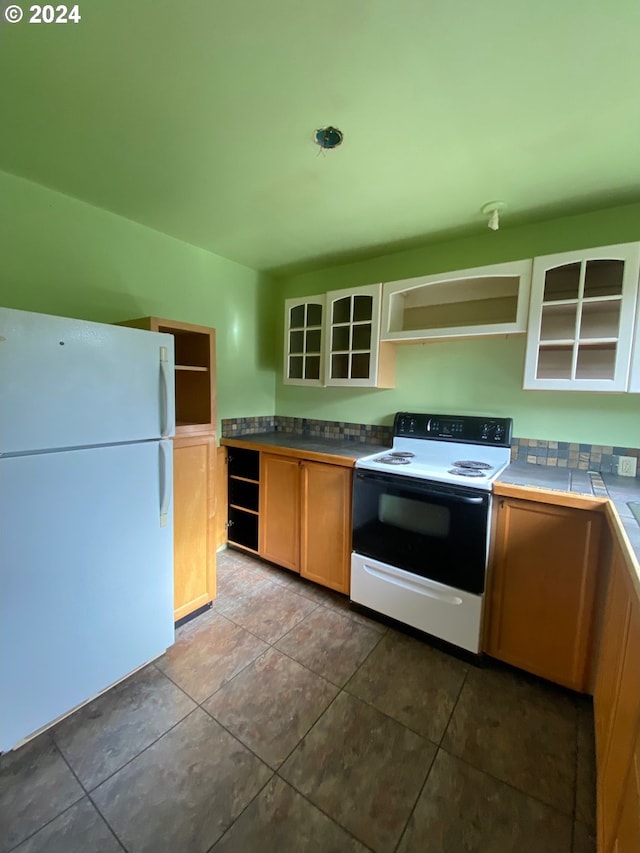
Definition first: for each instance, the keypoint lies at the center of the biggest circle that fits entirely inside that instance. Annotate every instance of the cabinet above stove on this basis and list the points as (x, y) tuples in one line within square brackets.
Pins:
[(487, 300)]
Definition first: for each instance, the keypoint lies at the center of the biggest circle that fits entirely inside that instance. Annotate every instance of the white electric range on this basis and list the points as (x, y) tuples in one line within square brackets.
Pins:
[(421, 513)]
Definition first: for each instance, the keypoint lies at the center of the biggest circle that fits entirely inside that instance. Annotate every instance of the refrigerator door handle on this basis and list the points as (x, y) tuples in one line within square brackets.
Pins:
[(165, 481), (167, 427)]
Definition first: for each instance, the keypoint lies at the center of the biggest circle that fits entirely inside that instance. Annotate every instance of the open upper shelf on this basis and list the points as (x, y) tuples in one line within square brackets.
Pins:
[(482, 301), (195, 365)]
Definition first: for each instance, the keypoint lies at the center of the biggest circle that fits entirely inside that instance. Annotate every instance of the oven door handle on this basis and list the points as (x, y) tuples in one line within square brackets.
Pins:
[(424, 489), (421, 585)]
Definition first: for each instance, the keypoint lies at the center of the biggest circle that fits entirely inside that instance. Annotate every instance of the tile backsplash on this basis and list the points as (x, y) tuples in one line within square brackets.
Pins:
[(565, 454), (558, 454), (234, 427), (310, 428)]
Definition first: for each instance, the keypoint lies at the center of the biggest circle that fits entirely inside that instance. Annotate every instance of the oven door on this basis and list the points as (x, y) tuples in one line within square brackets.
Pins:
[(430, 529)]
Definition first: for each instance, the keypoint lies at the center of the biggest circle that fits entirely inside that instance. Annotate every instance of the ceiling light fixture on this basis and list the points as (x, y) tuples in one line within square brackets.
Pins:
[(492, 209), (328, 137)]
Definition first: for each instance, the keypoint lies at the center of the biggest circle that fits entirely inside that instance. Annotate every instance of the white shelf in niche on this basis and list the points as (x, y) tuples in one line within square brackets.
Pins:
[(489, 300)]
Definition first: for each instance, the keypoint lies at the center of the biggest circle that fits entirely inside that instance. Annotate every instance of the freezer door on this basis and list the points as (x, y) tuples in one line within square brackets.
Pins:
[(70, 383), (86, 576)]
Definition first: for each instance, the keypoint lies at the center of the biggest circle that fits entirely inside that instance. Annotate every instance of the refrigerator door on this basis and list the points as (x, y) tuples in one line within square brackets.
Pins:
[(69, 383), (86, 576)]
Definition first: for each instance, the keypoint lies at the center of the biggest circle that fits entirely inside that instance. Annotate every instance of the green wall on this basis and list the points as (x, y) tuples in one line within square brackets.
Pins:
[(61, 256), (483, 375)]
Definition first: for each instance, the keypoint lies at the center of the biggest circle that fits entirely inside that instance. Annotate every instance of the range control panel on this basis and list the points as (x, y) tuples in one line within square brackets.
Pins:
[(464, 428)]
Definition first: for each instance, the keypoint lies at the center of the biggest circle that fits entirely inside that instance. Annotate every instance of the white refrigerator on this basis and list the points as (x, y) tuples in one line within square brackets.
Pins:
[(86, 523)]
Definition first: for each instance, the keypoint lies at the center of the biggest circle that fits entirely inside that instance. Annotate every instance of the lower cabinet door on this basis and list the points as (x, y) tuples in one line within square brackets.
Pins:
[(194, 533), (542, 589), (627, 837), (280, 510), (618, 803), (326, 524)]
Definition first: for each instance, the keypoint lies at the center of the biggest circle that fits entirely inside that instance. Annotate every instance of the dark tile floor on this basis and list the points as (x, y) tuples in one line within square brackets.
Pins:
[(283, 721)]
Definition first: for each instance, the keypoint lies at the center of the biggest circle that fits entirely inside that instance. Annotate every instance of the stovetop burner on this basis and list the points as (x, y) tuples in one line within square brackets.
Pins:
[(473, 465), (402, 454), (468, 472), (395, 459)]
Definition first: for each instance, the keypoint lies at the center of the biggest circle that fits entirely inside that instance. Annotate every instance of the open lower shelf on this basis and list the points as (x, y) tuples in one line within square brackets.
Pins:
[(243, 547), (243, 528), (194, 368), (243, 509)]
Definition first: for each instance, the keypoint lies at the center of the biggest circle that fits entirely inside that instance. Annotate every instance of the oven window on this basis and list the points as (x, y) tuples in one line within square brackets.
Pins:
[(414, 516)]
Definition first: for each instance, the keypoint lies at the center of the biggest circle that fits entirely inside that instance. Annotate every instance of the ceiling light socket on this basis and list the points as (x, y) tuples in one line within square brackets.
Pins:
[(492, 209), (328, 137)]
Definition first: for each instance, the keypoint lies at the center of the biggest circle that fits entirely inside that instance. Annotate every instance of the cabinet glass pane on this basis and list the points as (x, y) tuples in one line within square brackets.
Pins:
[(600, 319), (558, 322), (362, 307), (314, 314), (296, 342), (554, 363), (296, 317), (312, 367), (360, 366), (596, 362), (295, 367), (313, 341), (603, 278), (342, 310), (340, 338), (339, 366), (361, 336), (562, 282)]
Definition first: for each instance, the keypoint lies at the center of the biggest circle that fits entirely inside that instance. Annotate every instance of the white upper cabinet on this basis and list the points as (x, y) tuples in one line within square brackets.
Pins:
[(353, 356), (488, 300), (304, 341), (581, 320)]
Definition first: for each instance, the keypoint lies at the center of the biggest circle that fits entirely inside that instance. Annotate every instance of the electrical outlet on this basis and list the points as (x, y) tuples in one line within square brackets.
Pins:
[(627, 466)]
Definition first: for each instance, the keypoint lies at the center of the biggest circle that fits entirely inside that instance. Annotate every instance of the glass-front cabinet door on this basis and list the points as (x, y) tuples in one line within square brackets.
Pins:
[(353, 336), (581, 321), (303, 340)]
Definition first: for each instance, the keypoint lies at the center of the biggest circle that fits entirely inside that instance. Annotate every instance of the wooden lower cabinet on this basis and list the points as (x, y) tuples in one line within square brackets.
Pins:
[(305, 518), (325, 552), (280, 510), (627, 834), (193, 522), (542, 588), (617, 714)]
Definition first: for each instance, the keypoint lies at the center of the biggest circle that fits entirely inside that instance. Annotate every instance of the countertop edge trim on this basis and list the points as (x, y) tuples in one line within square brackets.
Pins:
[(309, 455)]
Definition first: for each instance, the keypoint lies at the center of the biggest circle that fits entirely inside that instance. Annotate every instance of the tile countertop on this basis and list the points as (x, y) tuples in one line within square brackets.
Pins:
[(621, 490), (340, 451)]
